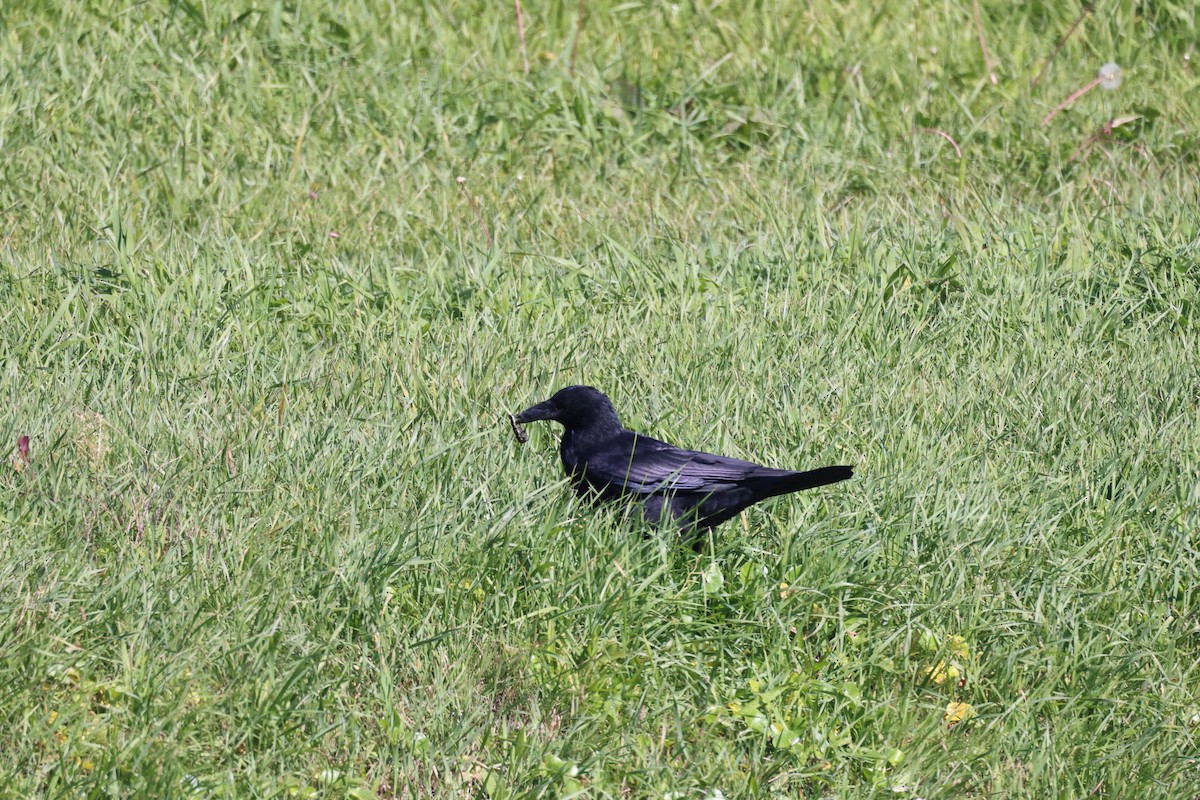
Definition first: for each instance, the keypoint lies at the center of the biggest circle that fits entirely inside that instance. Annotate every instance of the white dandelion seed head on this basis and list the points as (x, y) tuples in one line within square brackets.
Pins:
[(1109, 76)]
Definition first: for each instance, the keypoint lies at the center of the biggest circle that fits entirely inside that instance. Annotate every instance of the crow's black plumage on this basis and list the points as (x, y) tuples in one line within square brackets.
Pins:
[(688, 489)]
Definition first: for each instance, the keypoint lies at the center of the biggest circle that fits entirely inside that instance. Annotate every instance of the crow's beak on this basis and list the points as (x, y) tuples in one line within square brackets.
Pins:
[(546, 410)]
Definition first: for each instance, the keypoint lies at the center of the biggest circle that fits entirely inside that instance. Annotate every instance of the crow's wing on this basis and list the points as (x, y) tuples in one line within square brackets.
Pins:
[(645, 466)]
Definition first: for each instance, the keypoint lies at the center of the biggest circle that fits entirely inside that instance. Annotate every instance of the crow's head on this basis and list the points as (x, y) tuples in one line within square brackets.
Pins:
[(576, 407)]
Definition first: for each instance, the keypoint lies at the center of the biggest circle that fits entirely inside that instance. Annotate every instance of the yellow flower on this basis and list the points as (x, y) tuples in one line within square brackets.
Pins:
[(958, 712), (958, 646), (942, 671)]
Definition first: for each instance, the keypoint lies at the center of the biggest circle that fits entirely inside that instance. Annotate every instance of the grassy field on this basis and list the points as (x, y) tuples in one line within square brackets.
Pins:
[(272, 274)]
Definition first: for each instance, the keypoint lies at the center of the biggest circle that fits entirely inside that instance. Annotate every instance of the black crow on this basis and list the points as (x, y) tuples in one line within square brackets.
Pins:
[(684, 488)]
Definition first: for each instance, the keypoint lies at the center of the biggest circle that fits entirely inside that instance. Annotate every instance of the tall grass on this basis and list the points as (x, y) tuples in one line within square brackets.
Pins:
[(272, 537)]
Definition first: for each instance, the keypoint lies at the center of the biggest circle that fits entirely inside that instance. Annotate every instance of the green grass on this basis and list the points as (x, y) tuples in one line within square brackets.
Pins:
[(275, 538)]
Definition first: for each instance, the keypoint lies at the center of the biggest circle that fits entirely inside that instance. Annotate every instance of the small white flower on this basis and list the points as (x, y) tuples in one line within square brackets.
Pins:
[(1109, 76)]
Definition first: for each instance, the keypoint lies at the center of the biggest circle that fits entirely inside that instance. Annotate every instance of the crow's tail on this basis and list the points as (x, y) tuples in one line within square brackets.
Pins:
[(810, 479)]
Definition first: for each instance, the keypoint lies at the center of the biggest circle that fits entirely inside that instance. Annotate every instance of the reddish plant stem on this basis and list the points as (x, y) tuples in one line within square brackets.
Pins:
[(987, 57), (578, 33), (1074, 96), (1054, 54), (521, 34), (945, 136)]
